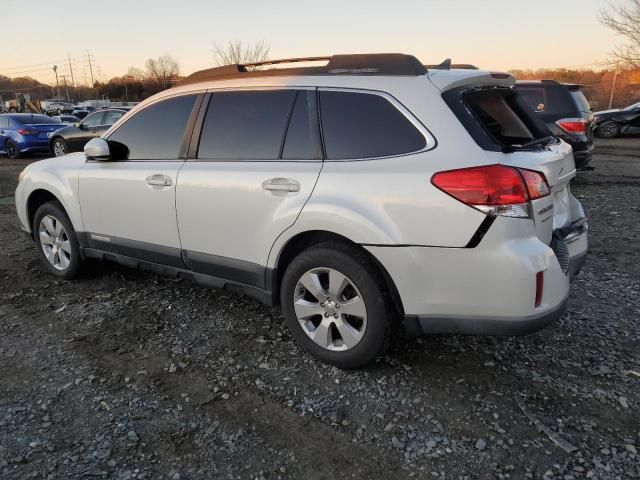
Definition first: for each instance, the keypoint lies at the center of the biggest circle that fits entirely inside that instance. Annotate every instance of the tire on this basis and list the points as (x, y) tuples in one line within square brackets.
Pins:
[(56, 241), (608, 130), (366, 334), (59, 147), (11, 149)]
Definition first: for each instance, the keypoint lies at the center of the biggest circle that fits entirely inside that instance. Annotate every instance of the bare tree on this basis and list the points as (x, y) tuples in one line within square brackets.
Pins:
[(136, 74), (163, 69), (625, 21), (236, 52)]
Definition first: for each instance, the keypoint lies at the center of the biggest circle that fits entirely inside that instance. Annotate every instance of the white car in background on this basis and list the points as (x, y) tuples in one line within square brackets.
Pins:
[(357, 195)]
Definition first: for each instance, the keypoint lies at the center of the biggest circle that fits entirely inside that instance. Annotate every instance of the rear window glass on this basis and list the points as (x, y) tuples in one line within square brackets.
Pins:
[(536, 98), (504, 115), (551, 101), (363, 125), (35, 120)]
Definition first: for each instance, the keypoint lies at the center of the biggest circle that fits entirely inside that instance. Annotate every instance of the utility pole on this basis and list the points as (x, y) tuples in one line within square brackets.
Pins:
[(613, 87), (90, 68), (66, 90), (55, 70), (73, 81)]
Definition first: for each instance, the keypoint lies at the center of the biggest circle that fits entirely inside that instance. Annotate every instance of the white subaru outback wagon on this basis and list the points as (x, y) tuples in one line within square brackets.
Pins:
[(358, 194)]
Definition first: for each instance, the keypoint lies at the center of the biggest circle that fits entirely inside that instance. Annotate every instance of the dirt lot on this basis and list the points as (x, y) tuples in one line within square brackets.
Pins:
[(127, 375)]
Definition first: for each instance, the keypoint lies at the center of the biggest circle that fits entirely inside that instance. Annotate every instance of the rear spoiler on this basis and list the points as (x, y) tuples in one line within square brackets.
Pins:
[(450, 79)]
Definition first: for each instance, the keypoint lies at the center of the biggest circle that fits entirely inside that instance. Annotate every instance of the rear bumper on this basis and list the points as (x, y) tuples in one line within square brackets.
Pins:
[(583, 158), (489, 289), (479, 325), (34, 146)]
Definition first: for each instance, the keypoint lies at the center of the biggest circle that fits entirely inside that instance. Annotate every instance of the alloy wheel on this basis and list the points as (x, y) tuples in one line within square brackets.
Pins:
[(330, 309), (59, 148), (54, 241)]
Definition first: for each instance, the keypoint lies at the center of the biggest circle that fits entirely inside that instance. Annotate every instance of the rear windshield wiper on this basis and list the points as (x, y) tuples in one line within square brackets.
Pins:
[(532, 145)]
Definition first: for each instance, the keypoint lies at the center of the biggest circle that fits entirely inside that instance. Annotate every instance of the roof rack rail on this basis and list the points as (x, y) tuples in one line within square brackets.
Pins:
[(447, 65), (357, 64)]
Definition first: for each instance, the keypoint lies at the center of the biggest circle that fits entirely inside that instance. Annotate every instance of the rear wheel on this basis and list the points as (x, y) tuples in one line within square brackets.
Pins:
[(336, 305), (608, 130), (11, 149), (60, 147), (56, 241)]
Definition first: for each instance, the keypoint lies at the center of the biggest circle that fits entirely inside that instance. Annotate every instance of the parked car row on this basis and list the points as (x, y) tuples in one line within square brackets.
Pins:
[(22, 133)]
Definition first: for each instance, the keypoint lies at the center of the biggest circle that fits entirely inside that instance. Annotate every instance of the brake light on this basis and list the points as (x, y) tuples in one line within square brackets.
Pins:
[(26, 131), (537, 185), (573, 125), (494, 189)]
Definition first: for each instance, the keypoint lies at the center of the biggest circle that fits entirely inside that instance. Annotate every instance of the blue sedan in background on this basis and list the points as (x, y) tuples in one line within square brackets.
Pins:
[(26, 132)]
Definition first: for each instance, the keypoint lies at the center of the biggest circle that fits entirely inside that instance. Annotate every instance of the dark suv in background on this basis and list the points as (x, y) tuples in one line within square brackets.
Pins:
[(566, 112)]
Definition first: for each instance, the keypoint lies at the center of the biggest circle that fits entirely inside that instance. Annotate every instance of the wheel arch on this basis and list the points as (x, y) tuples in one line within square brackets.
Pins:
[(36, 199), (304, 240)]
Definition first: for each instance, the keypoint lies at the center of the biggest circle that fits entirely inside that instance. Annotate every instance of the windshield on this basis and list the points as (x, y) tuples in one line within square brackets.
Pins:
[(632, 107)]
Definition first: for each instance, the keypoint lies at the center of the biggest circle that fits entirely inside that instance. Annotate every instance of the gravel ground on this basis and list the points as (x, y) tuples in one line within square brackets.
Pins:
[(123, 374)]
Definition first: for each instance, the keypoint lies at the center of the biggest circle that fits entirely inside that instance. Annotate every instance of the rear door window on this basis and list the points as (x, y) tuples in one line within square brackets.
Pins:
[(364, 125), (246, 125), (303, 136)]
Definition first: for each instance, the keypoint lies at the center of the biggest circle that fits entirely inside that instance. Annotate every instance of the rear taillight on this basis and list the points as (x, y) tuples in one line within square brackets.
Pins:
[(494, 189), (27, 131), (573, 125)]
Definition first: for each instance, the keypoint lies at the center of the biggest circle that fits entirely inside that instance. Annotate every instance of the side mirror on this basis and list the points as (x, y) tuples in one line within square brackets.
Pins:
[(97, 149)]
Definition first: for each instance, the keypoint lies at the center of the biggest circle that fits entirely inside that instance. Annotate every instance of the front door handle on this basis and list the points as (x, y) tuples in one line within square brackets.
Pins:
[(281, 186), (159, 180)]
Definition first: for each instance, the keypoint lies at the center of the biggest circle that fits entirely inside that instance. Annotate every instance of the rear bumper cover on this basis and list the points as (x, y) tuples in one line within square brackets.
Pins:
[(489, 289), (479, 325)]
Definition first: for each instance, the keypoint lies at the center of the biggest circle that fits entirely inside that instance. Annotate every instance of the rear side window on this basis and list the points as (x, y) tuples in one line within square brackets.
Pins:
[(155, 133), (4, 122), (246, 125), (581, 101), (363, 125)]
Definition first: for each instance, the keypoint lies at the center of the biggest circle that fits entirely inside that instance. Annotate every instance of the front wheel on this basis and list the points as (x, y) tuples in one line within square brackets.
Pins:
[(336, 305), (608, 130), (60, 147), (56, 241)]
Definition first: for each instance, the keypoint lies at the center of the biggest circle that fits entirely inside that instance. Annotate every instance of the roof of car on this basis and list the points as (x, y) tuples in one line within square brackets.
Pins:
[(353, 64)]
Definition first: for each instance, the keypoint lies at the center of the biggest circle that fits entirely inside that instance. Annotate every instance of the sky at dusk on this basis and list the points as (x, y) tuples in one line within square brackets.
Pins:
[(496, 34)]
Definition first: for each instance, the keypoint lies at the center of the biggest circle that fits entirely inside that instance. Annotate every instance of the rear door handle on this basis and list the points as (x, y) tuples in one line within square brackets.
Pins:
[(159, 180), (281, 186)]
